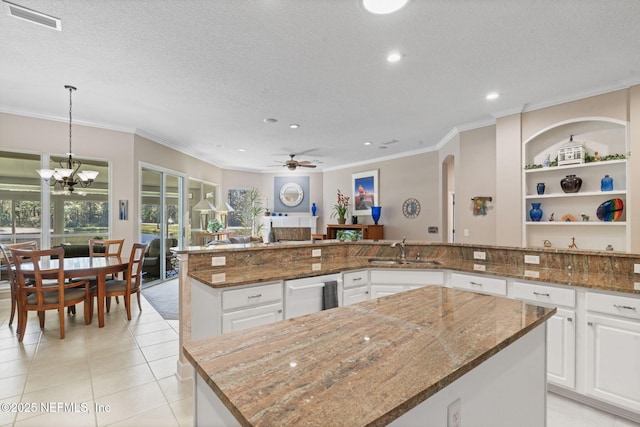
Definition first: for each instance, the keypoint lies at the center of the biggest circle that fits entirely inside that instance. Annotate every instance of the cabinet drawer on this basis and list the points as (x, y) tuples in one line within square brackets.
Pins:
[(544, 294), (355, 278), (614, 304), (238, 298), (471, 282), (407, 277)]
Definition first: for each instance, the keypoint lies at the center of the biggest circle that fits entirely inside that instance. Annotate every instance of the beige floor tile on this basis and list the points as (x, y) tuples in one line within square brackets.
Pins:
[(115, 381), (175, 390), (46, 378), (8, 417), (145, 328), (160, 417), (163, 368), (183, 410), (130, 403), (160, 351), (12, 386), (157, 337), (80, 415), (115, 361), (70, 394), (24, 352), (14, 367)]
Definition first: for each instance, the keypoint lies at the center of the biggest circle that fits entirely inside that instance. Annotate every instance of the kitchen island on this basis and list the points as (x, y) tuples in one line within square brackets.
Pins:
[(404, 358)]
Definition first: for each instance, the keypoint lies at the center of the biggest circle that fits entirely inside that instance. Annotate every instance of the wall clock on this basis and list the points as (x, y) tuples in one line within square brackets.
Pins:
[(291, 194), (411, 208)]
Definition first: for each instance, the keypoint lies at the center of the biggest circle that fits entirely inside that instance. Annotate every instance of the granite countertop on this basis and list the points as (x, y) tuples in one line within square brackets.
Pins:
[(384, 356), (228, 277)]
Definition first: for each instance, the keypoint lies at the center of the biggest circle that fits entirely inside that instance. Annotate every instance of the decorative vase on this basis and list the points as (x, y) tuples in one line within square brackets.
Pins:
[(540, 188), (354, 219), (375, 213), (535, 213), (342, 220), (313, 209), (606, 183), (547, 160), (571, 184)]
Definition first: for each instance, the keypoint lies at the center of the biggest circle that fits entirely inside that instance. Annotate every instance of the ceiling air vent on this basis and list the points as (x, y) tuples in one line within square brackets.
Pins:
[(33, 16)]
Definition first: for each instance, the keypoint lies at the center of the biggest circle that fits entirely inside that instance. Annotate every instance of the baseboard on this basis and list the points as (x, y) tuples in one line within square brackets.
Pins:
[(595, 403), (184, 371)]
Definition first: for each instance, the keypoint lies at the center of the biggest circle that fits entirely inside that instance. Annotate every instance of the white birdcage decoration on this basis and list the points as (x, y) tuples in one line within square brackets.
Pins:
[(571, 154)]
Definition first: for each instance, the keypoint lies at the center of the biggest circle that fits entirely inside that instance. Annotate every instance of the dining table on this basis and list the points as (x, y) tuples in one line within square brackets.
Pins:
[(82, 267)]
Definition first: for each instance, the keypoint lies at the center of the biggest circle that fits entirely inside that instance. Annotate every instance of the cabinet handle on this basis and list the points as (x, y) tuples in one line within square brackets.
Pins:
[(590, 323), (540, 294), (366, 292), (355, 279), (475, 283), (279, 311), (569, 319), (626, 307), (255, 296)]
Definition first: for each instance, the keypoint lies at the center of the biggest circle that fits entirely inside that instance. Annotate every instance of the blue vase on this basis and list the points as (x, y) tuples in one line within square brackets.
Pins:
[(606, 183), (375, 213), (535, 213), (540, 188), (313, 209)]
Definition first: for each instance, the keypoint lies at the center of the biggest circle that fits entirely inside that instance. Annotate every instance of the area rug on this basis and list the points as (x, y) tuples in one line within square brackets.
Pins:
[(164, 298)]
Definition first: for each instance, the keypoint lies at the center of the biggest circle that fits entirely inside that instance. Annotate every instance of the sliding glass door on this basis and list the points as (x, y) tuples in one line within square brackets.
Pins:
[(161, 216)]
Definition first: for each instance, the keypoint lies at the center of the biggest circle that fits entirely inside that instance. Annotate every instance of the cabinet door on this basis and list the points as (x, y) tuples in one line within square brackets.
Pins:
[(477, 283), (613, 360), (355, 295), (561, 348), (248, 318), (378, 291)]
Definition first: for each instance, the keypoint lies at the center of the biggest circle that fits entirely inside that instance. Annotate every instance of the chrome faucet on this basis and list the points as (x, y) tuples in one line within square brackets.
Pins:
[(403, 249)]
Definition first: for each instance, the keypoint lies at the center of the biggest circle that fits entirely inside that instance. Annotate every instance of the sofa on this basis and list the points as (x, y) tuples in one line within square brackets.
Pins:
[(75, 251), (153, 257)]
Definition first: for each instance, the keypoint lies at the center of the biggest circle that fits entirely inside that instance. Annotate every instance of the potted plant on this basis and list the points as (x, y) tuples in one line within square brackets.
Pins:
[(341, 208)]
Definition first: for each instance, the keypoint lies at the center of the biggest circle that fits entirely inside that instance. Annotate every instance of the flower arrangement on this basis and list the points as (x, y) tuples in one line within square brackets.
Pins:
[(341, 208)]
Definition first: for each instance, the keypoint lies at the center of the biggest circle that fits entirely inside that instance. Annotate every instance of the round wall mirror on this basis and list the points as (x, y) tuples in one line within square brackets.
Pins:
[(291, 194)]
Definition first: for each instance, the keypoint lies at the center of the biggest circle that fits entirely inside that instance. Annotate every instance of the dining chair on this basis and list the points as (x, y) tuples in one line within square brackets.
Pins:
[(103, 248), (7, 259), (131, 284), (35, 293)]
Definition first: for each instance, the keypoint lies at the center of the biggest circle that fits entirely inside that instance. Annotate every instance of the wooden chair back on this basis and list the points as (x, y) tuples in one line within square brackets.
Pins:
[(112, 247), (134, 270), (41, 287), (7, 259)]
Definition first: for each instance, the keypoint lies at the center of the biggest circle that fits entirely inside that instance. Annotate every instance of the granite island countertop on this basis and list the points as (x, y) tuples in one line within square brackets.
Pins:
[(362, 364)]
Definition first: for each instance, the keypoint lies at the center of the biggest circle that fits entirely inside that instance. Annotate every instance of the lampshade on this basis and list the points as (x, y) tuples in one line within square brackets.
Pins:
[(223, 207), (204, 205)]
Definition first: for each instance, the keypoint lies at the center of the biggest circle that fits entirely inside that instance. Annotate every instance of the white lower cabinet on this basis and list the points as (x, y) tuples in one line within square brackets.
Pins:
[(355, 287), (613, 349), (306, 295), (561, 328), (479, 283), (250, 317), (392, 281)]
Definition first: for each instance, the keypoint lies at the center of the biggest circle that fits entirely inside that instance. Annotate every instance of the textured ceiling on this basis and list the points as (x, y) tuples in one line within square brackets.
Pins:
[(201, 76)]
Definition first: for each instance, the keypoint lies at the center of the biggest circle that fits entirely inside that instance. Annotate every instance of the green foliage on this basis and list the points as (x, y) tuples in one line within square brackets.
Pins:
[(249, 211)]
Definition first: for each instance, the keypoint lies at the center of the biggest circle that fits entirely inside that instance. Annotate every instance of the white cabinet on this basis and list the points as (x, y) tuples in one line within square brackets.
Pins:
[(392, 281), (251, 306), (305, 296), (355, 287), (478, 283), (607, 138), (561, 328), (613, 349)]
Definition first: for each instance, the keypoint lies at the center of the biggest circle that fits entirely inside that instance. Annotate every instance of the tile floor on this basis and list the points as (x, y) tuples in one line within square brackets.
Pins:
[(130, 366), (126, 369)]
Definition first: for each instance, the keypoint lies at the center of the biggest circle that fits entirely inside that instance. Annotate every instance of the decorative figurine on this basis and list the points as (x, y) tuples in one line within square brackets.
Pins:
[(573, 244), (547, 243), (551, 218), (585, 217)]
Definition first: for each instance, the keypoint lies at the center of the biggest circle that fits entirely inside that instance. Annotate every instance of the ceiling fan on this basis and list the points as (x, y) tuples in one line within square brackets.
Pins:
[(292, 164)]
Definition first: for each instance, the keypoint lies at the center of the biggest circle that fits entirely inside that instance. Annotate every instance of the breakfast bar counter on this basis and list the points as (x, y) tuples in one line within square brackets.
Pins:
[(407, 355)]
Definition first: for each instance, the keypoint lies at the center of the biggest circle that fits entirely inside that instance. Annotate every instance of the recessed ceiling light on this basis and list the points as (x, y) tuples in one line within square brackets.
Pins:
[(394, 57), (242, 150), (382, 7), (367, 143), (294, 126), (270, 120), (493, 95)]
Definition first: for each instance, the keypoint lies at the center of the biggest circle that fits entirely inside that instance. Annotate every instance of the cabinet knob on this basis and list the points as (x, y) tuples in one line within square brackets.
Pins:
[(280, 311), (569, 319), (590, 323)]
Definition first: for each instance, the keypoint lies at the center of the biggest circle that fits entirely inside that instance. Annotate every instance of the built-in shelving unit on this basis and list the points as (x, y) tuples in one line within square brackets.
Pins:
[(601, 135)]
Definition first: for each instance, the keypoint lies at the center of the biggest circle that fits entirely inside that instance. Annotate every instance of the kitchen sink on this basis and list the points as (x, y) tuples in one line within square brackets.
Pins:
[(397, 261)]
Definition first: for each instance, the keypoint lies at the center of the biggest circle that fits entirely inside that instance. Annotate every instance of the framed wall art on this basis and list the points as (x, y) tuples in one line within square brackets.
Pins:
[(365, 191)]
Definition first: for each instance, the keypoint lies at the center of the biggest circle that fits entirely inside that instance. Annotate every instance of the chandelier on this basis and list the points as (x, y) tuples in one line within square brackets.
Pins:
[(67, 174)]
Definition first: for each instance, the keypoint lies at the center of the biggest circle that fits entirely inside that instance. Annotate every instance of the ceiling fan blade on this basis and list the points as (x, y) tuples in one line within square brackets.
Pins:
[(304, 162), (306, 166)]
